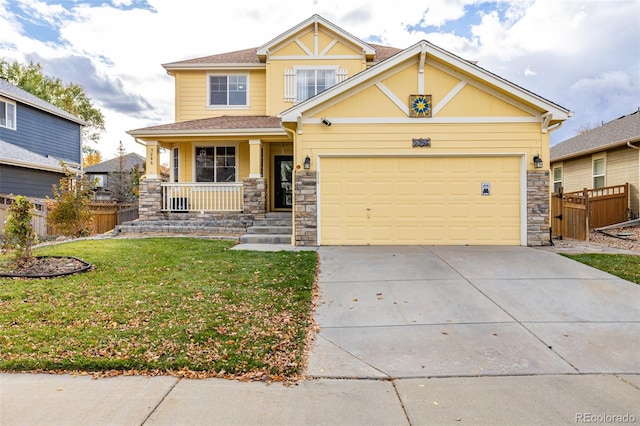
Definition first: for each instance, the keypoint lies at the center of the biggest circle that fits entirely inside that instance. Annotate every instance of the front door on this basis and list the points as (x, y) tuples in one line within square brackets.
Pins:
[(283, 183)]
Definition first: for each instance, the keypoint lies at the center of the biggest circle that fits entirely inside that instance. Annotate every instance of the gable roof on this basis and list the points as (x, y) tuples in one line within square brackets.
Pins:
[(226, 124), (15, 93), (14, 155), (316, 20), (129, 162), (614, 133), (558, 113), (256, 57)]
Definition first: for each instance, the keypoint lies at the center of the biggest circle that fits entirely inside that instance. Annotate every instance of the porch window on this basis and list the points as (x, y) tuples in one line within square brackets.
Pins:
[(215, 164), (557, 179), (7, 114), (228, 90), (175, 165), (598, 173)]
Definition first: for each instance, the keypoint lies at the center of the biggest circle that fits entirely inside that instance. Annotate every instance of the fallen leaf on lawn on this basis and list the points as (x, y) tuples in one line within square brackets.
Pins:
[(445, 333)]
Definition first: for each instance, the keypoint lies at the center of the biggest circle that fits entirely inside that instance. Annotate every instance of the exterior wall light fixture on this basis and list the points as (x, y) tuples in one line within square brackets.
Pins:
[(537, 162), (307, 163)]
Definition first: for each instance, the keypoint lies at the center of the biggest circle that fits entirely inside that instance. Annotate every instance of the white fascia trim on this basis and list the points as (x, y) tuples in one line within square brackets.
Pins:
[(36, 166), (214, 66), (231, 132), (426, 120)]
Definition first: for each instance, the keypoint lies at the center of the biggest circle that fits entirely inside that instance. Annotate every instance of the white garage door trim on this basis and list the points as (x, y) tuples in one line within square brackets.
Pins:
[(523, 181)]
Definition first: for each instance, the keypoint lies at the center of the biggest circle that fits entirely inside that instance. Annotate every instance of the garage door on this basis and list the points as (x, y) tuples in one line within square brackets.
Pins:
[(406, 201)]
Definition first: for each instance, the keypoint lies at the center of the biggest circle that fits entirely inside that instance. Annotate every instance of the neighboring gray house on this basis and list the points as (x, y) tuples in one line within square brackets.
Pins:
[(608, 155), (35, 137), (102, 172)]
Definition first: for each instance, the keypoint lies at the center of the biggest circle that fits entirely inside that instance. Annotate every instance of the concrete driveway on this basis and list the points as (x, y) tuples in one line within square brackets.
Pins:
[(419, 312)]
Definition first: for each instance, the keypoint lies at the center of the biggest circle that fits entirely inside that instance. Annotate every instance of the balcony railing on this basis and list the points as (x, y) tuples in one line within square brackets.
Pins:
[(201, 197)]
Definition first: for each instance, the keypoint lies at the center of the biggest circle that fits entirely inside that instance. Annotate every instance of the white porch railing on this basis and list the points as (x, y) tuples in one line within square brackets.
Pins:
[(202, 197)]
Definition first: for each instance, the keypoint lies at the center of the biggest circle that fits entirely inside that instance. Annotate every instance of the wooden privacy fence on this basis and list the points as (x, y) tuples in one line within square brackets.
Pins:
[(573, 214), (106, 215), (39, 219)]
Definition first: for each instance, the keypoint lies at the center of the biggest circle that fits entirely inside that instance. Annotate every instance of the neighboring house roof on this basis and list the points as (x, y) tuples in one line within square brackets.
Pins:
[(15, 93), (612, 134), (558, 113), (219, 125), (14, 155), (129, 162)]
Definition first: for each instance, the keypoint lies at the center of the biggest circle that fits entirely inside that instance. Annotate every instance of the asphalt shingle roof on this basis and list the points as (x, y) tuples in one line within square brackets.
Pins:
[(11, 154), (613, 133), (129, 162), (226, 122), (15, 93)]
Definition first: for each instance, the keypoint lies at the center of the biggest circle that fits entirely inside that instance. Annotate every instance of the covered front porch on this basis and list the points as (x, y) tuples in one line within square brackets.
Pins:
[(220, 179)]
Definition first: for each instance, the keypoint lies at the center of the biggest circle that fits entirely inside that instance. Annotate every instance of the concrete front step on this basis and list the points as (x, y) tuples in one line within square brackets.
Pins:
[(266, 239), (270, 230)]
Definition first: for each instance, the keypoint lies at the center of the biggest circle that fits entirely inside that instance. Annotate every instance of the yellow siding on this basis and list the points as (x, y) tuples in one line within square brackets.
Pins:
[(371, 102), (577, 174), (191, 97), (291, 49), (472, 102), (438, 83)]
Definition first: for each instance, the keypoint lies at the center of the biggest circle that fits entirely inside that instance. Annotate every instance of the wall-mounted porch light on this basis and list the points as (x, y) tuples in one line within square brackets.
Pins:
[(537, 162), (307, 163)]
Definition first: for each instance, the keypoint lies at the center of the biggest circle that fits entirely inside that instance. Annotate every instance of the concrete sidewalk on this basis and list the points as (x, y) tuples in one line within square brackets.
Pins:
[(408, 335)]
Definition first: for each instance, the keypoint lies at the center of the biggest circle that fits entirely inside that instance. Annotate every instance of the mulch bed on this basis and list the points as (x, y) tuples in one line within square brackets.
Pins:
[(48, 267)]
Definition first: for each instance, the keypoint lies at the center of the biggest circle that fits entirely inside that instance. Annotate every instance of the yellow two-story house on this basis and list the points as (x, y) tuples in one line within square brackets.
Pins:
[(356, 143)]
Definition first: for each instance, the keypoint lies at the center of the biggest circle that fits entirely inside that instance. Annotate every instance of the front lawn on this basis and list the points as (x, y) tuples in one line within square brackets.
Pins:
[(182, 306), (626, 266)]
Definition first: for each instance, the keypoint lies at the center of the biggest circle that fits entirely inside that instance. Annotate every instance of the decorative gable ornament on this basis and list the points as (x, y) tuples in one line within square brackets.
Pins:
[(420, 106)]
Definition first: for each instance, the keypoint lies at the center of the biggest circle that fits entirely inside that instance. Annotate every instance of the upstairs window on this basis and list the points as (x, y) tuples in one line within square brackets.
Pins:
[(599, 173), (228, 90), (216, 164), (302, 83), (557, 179), (7, 114)]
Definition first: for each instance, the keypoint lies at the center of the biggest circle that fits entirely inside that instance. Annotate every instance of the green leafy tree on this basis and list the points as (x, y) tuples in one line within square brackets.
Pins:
[(70, 211), (70, 97), (19, 235)]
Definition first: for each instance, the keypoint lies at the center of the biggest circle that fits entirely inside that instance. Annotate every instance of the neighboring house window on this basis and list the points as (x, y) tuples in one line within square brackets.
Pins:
[(7, 114), (228, 90), (598, 173), (175, 165), (302, 83), (216, 164), (557, 179), (100, 180)]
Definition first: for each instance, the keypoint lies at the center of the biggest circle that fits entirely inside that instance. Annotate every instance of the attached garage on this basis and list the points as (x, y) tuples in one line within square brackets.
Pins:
[(475, 200)]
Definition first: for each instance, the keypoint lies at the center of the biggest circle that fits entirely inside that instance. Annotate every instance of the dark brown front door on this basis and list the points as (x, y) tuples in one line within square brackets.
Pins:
[(283, 183)]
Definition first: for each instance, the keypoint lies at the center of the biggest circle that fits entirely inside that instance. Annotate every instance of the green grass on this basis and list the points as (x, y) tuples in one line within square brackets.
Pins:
[(162, 305), (625, 266)]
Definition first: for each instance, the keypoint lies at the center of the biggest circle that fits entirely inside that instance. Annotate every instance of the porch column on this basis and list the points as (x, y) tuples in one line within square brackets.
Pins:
[(153, 160), (255, 158)]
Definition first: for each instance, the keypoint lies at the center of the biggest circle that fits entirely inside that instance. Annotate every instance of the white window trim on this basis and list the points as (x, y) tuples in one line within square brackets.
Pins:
[(594, 158), (175, 152), (553, 177), (219, 74), (291, 84), (15, 114), (213, 145)]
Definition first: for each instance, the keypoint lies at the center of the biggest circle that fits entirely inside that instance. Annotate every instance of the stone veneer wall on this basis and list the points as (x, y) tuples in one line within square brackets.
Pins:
[(306, 217), (538, 207), (150, 201), (255, 196)]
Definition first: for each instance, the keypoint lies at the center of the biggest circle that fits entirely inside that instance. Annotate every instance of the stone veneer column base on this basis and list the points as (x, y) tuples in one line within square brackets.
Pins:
[(150, 199), (305, 212), (255, 196), (538, 198)]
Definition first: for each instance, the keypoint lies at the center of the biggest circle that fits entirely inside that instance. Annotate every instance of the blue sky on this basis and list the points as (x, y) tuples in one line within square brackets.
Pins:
[(581, 54)]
